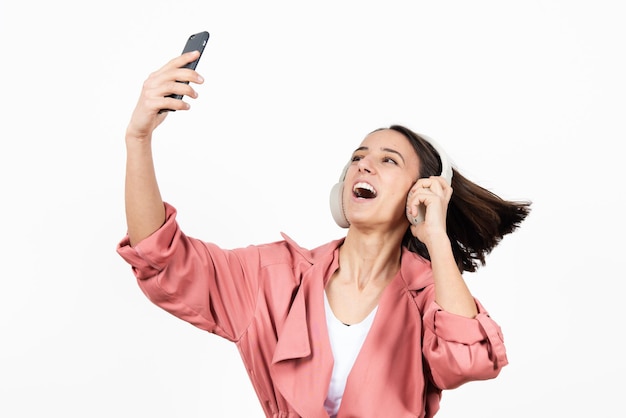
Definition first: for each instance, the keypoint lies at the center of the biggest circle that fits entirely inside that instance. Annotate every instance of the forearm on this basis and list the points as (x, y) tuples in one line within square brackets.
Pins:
[(451, 291), (145, 212)]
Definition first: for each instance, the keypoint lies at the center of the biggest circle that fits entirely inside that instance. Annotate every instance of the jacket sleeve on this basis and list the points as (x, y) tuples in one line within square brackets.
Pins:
[(198, 282), (458, 349)]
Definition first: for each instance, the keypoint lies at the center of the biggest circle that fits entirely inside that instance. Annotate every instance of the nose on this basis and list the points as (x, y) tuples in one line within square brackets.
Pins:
[(364, 165)]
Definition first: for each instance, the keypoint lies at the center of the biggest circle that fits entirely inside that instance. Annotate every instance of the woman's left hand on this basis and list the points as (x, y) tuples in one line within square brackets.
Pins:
[(434, 194)]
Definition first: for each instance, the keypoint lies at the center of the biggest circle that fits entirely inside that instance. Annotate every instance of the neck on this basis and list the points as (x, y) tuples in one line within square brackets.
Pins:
[(369, 259)]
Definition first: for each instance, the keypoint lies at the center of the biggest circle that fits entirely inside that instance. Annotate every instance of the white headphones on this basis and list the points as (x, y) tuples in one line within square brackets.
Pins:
[(336, 193)]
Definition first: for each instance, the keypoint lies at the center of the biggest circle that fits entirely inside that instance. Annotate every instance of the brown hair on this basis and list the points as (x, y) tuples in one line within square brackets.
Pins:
[(477, 219)]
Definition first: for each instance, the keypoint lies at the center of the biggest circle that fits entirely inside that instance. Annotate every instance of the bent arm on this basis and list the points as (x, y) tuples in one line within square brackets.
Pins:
[(451, 291), (460, 349)]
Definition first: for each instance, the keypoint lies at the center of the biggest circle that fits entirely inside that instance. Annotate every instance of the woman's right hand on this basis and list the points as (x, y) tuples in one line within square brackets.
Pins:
[(161, 83)]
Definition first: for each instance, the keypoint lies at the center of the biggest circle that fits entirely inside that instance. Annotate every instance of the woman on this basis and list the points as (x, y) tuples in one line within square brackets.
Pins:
[(374, 324)]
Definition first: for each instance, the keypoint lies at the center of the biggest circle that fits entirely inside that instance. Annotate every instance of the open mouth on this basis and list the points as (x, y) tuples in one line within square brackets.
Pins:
[(364, 191)]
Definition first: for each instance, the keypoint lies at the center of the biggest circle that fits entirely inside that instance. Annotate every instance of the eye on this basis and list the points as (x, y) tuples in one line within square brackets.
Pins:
[(356, 158), (390, 160)]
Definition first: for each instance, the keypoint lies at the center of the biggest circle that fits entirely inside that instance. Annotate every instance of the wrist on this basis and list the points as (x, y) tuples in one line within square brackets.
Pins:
[(134, 140), (437, 240)]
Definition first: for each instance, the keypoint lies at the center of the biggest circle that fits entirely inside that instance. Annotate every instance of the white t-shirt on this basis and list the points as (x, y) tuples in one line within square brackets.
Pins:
[(345, 342)]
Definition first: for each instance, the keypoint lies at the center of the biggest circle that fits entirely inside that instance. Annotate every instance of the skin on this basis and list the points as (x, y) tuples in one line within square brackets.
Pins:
[(370, 255)]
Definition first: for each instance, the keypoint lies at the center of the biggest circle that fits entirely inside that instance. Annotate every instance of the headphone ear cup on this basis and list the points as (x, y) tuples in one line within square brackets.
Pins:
[(336, 200), (336, 205)]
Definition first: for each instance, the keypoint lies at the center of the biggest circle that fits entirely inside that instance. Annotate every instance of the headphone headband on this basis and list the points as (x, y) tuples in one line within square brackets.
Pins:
[(446, 165)]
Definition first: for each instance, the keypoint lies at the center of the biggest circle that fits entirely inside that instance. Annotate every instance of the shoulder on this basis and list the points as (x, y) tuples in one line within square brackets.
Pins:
[(288, 250), (416, 271)]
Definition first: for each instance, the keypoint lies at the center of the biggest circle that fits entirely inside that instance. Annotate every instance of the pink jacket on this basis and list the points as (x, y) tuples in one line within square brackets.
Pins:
[(268, 300)]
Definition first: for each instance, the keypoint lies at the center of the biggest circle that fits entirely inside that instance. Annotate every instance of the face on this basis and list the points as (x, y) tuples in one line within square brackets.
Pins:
[(383, 169)]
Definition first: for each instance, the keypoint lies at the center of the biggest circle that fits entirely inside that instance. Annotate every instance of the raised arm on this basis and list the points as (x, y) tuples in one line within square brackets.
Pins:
[(451, 291), (145, 212)]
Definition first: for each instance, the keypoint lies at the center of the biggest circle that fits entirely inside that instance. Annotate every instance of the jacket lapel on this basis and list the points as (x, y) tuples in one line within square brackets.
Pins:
[(293, 342), (303, 361)]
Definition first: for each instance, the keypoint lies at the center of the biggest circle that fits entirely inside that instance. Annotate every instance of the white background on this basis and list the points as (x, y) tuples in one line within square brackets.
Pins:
[(527, 97)]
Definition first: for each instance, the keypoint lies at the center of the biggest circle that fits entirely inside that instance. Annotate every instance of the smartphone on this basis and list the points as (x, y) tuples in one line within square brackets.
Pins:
[(195, 42)]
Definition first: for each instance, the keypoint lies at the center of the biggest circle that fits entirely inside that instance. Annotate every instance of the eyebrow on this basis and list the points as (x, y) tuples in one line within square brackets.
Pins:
[(393, 151)]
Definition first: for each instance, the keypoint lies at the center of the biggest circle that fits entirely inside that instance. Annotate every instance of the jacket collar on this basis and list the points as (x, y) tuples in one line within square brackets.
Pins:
[(412, 266)]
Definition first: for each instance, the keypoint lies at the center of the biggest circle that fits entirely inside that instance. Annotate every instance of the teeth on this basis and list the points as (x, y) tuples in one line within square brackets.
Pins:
[(364, 186), (364, 190)]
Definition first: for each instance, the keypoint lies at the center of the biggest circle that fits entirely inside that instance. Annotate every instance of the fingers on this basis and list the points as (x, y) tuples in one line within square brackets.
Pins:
[(179, 62), (175, 70), (182, 60), (171, 80), (434, 185), (427, 191), (164, 89)]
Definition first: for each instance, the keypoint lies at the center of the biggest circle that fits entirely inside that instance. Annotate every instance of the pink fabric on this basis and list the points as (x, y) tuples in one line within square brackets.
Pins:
[(268, 300)]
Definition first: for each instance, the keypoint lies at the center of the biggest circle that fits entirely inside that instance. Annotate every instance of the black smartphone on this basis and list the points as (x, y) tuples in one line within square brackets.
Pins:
[(195, 42)]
